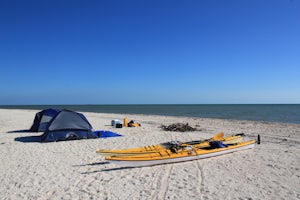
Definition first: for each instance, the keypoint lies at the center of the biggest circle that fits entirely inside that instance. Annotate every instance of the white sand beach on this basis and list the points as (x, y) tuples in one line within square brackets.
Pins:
[(73, 170)]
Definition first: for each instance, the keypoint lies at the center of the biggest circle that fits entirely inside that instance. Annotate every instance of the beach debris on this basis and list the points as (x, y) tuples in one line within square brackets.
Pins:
[(179, 127)]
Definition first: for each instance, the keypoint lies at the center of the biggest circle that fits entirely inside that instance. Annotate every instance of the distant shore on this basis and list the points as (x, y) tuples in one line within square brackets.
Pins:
[(72, 169), (281, 113)]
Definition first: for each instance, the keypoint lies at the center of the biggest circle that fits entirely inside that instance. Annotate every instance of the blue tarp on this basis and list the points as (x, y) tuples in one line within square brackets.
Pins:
[(105, 134)]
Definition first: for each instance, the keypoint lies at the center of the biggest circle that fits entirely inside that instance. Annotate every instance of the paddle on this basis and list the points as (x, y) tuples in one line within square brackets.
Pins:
[(217, 136)]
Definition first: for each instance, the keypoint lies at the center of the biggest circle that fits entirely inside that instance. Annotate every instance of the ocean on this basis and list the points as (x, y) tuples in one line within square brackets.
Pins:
[(283, 113)]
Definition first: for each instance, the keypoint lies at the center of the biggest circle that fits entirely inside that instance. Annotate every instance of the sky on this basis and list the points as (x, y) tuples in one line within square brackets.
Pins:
[(149, 52)]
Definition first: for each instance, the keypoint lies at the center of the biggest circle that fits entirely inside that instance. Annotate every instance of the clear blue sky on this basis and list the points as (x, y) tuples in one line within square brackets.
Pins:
[(149, 51)]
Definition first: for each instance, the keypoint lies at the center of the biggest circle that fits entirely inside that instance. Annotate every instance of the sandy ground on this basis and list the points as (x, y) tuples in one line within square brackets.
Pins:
[(72, 169)]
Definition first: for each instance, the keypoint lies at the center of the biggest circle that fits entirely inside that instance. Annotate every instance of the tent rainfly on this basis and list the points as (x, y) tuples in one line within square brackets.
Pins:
[(42, 119)]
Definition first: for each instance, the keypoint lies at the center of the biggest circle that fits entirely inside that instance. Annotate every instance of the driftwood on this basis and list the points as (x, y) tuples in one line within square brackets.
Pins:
[(179, 127)]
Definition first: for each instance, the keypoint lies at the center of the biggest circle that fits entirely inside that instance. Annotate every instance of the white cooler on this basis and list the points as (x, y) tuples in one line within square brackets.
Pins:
[(114, 122)]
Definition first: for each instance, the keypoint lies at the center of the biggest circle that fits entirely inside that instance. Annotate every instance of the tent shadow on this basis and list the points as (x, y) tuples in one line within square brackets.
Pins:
[(29, 139), (20, 131)]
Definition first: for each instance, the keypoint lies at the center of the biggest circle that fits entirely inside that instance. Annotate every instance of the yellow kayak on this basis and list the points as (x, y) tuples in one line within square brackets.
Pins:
[(186, 154), (171, 145)]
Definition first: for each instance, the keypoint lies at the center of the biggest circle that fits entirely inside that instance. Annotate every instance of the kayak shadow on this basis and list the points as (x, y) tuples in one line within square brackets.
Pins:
[(92, 164), (115, 169), (102, 170), (107, 170)]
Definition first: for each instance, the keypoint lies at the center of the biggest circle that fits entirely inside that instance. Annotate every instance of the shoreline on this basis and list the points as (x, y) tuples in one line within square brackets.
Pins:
[(281, 113), (170, 116), (72, 169)]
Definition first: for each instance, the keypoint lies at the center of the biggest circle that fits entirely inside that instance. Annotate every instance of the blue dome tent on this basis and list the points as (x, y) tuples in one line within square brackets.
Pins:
[(68, 125)]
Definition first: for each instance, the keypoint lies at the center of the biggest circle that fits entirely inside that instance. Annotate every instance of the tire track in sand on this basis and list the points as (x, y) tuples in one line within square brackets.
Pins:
[(157, 174), (200, 176), (161, 181), (164, 182)]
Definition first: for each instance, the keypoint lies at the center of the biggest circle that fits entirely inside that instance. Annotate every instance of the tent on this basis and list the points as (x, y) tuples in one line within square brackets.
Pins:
[(68, 125), (42, 119)]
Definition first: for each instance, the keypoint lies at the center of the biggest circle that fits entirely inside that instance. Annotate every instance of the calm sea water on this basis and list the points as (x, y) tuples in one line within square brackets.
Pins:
[(285, 113)]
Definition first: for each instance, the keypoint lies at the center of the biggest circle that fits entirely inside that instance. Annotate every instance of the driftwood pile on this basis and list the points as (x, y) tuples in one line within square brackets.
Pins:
[(179, 127)]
